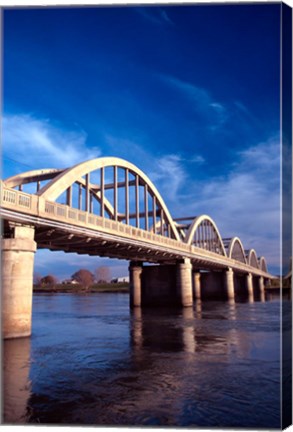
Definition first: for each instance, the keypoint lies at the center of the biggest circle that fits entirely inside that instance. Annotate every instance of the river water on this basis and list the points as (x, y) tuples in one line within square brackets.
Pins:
[(91, 361)]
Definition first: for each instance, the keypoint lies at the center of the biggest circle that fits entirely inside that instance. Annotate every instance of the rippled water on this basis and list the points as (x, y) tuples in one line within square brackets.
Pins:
[(90, 361)]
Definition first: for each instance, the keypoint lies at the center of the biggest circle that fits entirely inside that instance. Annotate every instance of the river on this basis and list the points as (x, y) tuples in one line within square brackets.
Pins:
[(91, 361)]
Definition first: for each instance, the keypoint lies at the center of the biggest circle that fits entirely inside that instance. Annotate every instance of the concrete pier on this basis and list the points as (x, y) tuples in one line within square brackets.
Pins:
[(249, 286), (261, 288), (229, 284), (184, 282), (196, 285), (17, 282), (135, 271)]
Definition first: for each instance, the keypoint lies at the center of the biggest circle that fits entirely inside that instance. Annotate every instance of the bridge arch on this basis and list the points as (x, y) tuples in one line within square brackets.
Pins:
[(154, 205), (236, 250), (252, 258), (204, 233), (263, 264)]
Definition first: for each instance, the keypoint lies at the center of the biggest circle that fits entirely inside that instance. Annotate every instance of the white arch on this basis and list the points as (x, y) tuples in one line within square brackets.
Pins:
[(195, 224), (232, 243), (263, 264), (250, 256), (52, 190)]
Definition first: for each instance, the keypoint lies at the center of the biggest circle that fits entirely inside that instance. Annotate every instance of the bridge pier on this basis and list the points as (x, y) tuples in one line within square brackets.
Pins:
[(229, 283), (184, 282), (163, 285), (135, 273), (17, 282), (261, 288), (197, 285), (249, 286)]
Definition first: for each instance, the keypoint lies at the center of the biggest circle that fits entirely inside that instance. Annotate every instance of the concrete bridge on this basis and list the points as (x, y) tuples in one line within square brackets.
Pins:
[(109, 207)]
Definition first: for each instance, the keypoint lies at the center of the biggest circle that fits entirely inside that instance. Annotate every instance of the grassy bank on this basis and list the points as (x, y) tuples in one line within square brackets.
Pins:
[(96, 288)]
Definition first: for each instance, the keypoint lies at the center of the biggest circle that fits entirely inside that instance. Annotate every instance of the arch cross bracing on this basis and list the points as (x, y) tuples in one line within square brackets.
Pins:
[(139, 203), (204, 234)]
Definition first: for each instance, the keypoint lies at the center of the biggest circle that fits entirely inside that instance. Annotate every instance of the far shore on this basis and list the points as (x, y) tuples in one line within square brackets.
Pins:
[(122, 287)]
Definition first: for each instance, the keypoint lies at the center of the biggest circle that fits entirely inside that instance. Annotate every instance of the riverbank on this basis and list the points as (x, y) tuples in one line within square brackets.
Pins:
[(96, 288)]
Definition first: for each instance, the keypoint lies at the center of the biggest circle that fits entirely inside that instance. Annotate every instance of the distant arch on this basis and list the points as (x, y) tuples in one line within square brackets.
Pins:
[(236, 250), (263, 264), (252, 259), (204, 233)]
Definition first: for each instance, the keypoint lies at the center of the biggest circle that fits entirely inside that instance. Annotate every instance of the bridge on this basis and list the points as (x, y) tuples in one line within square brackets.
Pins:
[(109, 207)]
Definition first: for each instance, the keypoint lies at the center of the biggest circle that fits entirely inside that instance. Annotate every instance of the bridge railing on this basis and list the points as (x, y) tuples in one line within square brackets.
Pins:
[(23, 201), (74, 216), (33, 204)]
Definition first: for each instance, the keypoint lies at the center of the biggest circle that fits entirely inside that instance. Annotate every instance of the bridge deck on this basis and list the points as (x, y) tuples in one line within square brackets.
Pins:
[(61, 227)]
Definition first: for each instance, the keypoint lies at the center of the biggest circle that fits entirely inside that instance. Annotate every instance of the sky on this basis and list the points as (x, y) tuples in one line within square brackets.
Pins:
[(189, 93)]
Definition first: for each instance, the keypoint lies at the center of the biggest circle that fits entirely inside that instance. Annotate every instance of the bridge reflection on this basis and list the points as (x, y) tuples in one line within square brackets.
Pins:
[(160, 353), (16, 385)]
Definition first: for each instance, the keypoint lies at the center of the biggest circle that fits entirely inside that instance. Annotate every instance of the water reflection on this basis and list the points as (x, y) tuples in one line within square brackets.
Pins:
[(198, 308), (188, 334), (16, 383), (94, 362)]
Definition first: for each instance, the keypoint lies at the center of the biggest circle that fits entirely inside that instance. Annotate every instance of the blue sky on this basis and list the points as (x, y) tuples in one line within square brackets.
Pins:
[(190, 94)]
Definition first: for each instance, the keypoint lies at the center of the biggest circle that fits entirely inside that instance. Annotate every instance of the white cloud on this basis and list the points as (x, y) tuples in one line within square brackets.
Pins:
[(214, 113), (197, 159), (166, 171), (245, 202), (169, 176), (39, 144)]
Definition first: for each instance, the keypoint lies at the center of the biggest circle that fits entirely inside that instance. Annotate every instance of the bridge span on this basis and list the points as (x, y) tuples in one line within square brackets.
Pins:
[(109, 207)]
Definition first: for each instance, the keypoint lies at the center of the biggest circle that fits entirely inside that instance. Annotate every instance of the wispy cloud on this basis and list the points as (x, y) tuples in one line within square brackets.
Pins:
[(246, 201), (157, 15), (167, 171), (202, 103), (36, 142)]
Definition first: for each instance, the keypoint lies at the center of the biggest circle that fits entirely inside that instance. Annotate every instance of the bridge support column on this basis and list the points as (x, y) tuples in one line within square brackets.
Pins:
[(249, 286), (229, 284), (196, 285), (17, 282), (135, 271), (184, 282), (261, 288)]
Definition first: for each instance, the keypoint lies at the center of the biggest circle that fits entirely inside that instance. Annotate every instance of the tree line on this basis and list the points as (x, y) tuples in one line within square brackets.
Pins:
[(83, 277)]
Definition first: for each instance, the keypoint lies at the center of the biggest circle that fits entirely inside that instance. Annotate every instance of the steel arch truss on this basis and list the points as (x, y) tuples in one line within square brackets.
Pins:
[(203, 233), (109, 187)]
